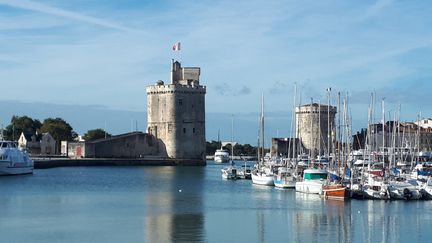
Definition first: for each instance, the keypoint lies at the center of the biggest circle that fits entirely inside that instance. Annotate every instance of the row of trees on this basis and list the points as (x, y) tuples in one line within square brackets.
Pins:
[(59, 129), (246, 149)]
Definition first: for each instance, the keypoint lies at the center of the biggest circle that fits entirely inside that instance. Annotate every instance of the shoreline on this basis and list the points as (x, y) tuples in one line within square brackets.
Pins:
[(45, 163)]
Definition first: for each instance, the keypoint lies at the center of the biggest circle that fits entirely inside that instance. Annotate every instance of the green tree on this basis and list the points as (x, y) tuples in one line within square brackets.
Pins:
[(95, 134), (212, 146), (239, 149), (21, 124), (58, 128)]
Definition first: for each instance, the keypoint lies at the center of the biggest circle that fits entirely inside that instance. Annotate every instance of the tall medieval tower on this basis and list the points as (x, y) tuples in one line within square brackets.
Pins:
[(176, 114), (313, 122)]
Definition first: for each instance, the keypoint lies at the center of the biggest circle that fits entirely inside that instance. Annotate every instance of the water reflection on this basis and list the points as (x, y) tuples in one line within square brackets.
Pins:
[(187, 204), (317, 220), (175, 208)]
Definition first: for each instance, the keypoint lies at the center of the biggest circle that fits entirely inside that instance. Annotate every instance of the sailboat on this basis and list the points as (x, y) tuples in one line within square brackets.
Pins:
[(376, 185), (333, 188), (262, 175), (230, 172), (285, 177)]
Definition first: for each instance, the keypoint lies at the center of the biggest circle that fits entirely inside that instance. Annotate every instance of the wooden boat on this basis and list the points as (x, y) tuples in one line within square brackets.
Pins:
[(335, 191)]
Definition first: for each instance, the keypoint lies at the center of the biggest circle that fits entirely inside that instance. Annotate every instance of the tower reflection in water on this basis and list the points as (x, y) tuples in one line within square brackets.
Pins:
[(321, 220), (174, 210)]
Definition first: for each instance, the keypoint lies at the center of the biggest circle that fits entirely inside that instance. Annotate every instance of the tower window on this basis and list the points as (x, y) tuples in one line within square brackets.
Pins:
[(184, 130), (193, 130), (180, 101)]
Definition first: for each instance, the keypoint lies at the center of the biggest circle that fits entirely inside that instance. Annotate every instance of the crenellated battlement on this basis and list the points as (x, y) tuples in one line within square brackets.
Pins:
[(175, 88)]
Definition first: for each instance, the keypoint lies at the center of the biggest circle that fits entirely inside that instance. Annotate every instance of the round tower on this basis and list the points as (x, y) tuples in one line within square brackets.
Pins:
[(176, 114), (312, 123)]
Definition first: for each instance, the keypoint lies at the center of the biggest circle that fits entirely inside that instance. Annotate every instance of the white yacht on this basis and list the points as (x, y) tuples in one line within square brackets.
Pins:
[(14, 161), (313, 180), (221, 156)]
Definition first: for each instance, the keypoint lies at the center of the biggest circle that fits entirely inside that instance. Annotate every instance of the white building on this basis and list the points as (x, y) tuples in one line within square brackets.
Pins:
[(38, 144), (424, 123)]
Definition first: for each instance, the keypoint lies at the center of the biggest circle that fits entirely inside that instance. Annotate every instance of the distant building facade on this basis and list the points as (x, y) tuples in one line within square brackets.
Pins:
[(424, 123), (403, 135), (38, 144), (176, 114), (312, 122), (284, 147)]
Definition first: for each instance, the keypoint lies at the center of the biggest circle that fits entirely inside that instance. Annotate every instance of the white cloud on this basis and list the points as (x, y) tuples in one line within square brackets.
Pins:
[(38, 7), (376, 8)]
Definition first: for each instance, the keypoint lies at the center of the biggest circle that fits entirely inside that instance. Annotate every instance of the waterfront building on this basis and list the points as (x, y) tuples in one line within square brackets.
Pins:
[(401, 136), (37, 144), (280, 147), (176, 114), (128, 145), (312, 127), (424, 123)]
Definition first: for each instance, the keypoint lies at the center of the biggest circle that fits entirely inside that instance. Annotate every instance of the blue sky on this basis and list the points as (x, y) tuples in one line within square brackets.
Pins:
[(104, 53)]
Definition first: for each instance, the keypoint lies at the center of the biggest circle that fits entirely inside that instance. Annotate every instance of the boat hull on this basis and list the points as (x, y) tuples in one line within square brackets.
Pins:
[(229, 173), (337, 192), (309, 186), (220, 160), (370, 193), (426, 192), (7, 169), (284, 183), (262, 179)]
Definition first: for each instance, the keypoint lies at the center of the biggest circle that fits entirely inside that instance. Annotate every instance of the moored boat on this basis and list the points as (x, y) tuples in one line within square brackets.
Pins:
[(262, 177), (229, 173), (426, 189), (221, 156), (14, 161), (312, 182), (284, 178), (335, 191), (245, 172)]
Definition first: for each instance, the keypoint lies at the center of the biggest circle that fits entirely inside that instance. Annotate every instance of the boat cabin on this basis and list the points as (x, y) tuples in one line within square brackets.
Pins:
[(7, 144), (314, 174)]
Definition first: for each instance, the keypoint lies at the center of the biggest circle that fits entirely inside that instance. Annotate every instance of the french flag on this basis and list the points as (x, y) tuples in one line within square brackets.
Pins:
[(176, 46)]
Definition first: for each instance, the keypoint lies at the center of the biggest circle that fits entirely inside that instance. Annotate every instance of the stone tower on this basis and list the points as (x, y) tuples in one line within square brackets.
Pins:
[(176, 114), (312, 125)]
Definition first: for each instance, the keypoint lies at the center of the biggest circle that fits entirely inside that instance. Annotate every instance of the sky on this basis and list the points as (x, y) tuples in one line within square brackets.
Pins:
[(101, 55)]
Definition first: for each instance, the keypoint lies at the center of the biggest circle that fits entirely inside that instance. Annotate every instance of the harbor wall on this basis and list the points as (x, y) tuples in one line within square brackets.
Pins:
[(44, 163)]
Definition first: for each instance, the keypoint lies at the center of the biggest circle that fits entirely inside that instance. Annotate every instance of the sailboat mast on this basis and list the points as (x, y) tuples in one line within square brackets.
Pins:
[(339, 138), (328, 123), (312, 149), (291, 142), (319, 129), (232, 137), (383, 130), (262, 124)]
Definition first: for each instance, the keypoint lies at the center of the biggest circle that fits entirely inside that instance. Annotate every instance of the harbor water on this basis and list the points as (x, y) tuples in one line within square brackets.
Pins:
[(190, 204)]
